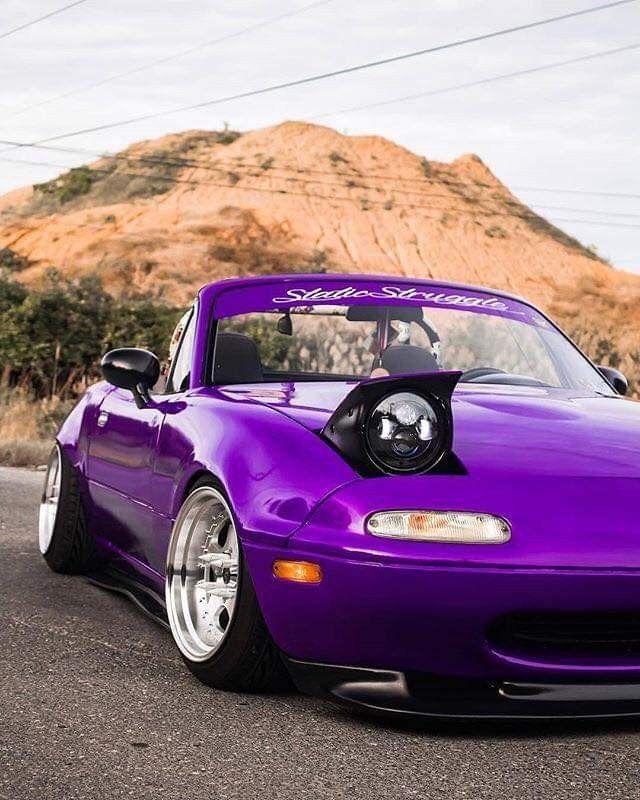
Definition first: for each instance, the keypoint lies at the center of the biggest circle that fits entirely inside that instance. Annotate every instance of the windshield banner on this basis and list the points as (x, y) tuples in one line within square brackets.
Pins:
[(297, 294)]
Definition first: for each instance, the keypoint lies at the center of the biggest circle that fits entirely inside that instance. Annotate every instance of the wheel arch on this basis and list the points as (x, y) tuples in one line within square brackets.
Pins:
[(196, 476), (201, 473)]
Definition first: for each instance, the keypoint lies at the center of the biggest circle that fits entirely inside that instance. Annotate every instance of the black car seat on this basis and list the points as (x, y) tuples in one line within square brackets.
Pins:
[(236, 360), (408, 359)]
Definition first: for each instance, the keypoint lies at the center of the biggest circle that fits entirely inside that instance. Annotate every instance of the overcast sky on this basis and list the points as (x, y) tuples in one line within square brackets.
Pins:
[(575, 127)]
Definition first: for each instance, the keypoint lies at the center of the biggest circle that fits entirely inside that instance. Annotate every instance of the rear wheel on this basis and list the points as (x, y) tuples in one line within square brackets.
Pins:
[(211, 603), (63, 538)]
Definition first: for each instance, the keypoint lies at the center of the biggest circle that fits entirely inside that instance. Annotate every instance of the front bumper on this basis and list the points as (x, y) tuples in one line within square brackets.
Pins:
[(387, 692), (437, 619), (421, 613)]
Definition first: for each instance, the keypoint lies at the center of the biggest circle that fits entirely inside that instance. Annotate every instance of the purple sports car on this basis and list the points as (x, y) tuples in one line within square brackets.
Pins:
[(401, 495)]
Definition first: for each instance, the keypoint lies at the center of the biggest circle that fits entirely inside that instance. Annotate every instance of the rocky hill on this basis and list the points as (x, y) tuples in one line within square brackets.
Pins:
[(165, 216)]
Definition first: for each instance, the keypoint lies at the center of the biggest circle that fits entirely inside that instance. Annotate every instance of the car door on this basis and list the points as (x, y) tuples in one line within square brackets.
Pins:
[(166, 470), (121, 459)]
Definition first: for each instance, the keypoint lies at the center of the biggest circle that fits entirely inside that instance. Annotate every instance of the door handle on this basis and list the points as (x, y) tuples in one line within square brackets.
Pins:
[(103, 418)]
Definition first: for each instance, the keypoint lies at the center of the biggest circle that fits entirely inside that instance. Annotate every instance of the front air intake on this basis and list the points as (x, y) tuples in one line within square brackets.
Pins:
[(544, 634)]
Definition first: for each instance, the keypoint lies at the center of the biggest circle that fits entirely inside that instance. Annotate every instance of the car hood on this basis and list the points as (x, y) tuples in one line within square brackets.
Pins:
[(562, 467), (518, 430)]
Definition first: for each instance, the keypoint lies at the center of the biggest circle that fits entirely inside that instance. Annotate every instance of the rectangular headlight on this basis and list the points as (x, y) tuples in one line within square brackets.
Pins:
[(440, 526)]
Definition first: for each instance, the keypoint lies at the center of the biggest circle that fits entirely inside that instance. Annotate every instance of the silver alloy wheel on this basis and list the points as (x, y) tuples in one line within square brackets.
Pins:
[(202, 574), (50, 500)]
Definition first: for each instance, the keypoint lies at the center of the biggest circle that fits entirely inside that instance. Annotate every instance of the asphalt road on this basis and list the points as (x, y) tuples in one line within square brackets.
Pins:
[(95, 703)]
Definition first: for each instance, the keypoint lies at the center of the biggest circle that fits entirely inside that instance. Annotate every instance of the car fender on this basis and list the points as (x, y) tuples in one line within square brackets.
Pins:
[(273, 469)]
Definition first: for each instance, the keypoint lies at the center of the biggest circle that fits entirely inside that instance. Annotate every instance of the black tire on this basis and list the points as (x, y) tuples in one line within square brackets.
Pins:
[(248, 659), (71, 550)]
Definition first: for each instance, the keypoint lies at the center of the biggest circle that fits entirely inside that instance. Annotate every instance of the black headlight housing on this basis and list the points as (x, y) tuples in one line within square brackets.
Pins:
[(397, 426)]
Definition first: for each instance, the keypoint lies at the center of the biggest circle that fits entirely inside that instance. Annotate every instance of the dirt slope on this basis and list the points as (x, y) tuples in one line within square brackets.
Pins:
[(168, 215)]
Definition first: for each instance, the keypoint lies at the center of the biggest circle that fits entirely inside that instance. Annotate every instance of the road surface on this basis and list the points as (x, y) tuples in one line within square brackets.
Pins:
[(95, 703)]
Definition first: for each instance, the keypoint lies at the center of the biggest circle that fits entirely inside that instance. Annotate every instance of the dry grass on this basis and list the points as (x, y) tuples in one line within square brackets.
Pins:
[(605, 322), (24, 453), (27, 428)]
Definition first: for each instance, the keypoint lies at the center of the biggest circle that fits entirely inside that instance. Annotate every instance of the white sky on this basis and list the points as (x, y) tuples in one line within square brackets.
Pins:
[(573, 127)]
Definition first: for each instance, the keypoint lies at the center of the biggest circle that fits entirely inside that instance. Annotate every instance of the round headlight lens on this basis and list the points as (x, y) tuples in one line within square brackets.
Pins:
[(403, 432)]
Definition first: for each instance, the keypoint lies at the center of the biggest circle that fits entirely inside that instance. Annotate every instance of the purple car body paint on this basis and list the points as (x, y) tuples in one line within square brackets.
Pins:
[(544, 623)]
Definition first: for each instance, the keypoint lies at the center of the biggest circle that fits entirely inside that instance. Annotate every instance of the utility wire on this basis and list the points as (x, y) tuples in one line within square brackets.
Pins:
[(332, 73), (165, 59), (597, 222), (233, 166), (142, 162), (41, 19), (625, 195), (600, 211), (481, 82), (475, 213)]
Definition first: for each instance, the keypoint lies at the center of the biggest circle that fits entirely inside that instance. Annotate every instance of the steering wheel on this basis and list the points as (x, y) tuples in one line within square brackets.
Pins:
[(471, 375)]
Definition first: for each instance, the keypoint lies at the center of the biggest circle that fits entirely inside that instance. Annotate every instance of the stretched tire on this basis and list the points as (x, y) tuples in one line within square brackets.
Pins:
[(211, 602), (63, 537)]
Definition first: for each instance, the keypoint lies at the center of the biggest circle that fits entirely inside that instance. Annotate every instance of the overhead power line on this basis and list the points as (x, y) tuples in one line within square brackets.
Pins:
[(334, 73), (235, 166), (626, 195), (599, 211), (480, 82), (472, 213), (166, 59), (600, 223), (41, 19)]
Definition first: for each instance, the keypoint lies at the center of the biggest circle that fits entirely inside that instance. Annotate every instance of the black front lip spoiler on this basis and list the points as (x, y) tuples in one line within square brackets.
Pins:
[(388, 692)]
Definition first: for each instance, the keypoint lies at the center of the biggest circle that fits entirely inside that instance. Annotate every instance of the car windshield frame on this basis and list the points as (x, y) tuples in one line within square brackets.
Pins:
[(293, 295)]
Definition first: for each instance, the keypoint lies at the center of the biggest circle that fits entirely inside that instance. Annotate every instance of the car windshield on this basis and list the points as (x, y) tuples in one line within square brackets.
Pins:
[(355, 342)]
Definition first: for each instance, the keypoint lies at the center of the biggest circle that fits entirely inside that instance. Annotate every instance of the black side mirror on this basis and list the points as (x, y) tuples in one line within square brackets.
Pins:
[(616, 379), (285, 325), (134, 369)]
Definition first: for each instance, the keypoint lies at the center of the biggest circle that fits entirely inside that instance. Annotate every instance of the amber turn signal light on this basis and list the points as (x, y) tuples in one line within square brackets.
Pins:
[(297, 571)]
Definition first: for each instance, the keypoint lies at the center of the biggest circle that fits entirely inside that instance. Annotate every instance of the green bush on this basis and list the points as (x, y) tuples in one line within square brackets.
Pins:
[(70, 185), (226, 135), (52, 339), (12, 261)]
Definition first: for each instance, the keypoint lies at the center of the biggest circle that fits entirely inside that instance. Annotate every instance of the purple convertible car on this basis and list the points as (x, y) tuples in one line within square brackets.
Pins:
[(401, 495)]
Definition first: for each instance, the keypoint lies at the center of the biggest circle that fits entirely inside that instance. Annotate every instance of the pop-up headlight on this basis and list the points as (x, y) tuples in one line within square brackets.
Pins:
[(397, 425)]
